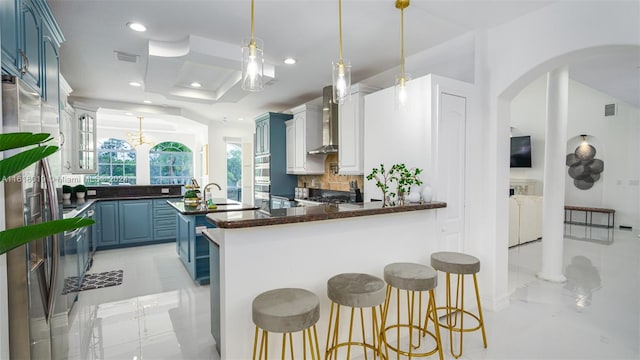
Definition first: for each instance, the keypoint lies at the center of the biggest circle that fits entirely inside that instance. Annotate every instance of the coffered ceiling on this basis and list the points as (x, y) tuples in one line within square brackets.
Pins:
[(200, 41)]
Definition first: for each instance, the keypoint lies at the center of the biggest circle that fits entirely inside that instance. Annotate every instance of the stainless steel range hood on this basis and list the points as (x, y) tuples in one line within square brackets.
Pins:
[(329, 124)]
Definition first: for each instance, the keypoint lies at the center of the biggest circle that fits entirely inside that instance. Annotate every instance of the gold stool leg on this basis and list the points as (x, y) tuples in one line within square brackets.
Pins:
[(484, 336)]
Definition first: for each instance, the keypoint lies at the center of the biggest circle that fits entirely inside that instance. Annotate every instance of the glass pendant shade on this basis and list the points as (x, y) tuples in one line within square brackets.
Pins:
[(252, 64), (341, 82), (401, 91)]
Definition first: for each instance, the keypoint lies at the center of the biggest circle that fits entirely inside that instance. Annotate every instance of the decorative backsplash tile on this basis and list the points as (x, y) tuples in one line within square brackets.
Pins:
[(330, 180)]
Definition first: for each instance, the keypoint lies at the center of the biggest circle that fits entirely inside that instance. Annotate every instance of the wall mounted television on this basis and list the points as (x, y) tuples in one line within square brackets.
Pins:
[(521, 151)]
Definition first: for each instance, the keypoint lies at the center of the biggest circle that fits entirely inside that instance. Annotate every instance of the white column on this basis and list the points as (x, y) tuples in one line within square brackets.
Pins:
[(554, 175)]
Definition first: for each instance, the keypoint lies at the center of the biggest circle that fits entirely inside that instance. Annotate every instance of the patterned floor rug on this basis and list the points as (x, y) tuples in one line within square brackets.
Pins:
[(93, 281)]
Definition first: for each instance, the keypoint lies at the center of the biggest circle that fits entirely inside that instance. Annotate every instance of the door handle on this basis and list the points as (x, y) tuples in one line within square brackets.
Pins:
[(55, 243), (25, 61)]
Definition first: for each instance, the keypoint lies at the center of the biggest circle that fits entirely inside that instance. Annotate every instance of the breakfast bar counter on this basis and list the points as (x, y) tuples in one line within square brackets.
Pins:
[(255, 251)]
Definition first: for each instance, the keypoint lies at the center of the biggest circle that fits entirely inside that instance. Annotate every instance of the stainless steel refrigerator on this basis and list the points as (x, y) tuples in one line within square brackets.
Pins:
[(38, 320)]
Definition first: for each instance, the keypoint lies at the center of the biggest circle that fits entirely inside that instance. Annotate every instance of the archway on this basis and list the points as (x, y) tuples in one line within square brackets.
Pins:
[(503, 114)]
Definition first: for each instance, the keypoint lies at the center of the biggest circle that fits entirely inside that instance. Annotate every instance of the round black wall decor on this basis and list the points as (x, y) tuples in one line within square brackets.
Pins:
[(584, 168)]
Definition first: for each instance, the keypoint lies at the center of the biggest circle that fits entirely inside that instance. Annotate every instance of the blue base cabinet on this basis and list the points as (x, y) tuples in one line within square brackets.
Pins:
[(123, 223), (164, 220), (107, 224), (192, 248), (136, 223)]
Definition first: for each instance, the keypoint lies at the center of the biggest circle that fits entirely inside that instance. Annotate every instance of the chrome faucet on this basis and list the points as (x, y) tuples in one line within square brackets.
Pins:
[(204, 192)]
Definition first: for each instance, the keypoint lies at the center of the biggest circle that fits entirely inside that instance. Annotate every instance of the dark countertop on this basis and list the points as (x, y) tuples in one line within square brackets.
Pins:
[(242, 219), (223, 205), (76, 207)]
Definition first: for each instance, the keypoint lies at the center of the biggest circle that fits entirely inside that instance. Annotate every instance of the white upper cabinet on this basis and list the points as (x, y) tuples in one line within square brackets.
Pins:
[(84, 141), (304, 133), (351, 131)]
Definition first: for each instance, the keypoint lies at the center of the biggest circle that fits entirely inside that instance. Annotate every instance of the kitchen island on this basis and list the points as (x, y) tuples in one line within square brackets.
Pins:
[(255, 251), (191, 247)]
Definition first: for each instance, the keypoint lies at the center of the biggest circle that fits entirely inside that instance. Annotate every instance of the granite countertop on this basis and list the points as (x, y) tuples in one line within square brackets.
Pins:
[(223, 206), (242, 219)]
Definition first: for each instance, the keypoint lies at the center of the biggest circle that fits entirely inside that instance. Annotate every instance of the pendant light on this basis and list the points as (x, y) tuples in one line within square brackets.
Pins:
[(252, 61), (138, 139), (401, 81), (341, 71)]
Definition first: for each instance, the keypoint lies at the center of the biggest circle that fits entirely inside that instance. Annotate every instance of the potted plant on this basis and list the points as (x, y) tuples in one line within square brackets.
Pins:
[(80, 191), (383, 181), (191, 198), (12, 165), (66, 192), (405, 178)]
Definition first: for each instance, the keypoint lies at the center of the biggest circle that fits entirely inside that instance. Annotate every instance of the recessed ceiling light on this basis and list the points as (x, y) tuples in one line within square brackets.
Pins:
[(289, 61), (240, 119), (148, 102), (129, 113), (136, 27), (135, 83), (195, 84)]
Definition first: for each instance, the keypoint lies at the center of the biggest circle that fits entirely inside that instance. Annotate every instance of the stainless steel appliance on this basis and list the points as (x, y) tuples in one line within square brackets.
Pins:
[(329, 124), (38, 321)]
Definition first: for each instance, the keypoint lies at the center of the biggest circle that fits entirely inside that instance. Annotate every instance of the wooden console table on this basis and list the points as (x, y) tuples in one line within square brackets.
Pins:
[(588, 215)]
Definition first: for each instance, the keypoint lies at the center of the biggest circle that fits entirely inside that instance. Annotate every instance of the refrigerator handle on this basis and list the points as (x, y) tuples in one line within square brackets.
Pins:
[(52, 197)]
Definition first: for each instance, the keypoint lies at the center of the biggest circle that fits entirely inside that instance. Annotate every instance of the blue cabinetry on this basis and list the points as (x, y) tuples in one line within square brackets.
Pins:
[(164, 220), (192, 247), (9, 20), (136, 223), (108, 224), (25, 25)]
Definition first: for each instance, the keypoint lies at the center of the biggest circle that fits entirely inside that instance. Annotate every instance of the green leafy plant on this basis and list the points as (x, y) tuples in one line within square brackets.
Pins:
[(383, 181), (80, 188), (406, 177), (12, 165), (189, 194), (66, 189)]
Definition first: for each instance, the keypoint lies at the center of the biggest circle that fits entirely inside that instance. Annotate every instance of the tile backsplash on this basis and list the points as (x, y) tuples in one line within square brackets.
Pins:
[(330, 180)]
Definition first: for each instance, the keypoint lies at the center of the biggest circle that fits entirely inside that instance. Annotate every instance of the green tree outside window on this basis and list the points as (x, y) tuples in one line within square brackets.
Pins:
[(170, 163)]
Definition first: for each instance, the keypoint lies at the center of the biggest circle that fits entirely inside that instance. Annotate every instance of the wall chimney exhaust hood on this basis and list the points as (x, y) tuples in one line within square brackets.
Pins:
[(329, 124)]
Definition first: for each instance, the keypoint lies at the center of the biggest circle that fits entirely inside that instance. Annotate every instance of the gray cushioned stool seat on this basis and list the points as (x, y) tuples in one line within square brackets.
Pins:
[(410, 276), (356, 290), (286, 310), (455, 262)]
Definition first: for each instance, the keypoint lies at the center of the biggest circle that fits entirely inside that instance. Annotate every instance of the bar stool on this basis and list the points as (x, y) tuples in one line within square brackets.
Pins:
[(459, 264), (286, 311), (355, 291), (409, 278)]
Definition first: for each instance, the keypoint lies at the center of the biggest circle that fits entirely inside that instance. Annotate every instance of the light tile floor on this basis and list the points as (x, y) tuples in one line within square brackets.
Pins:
[(159, 313)]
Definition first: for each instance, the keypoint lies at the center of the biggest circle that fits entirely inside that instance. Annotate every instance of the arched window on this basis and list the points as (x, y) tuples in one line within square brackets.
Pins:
[(170, 163), (116, 163)]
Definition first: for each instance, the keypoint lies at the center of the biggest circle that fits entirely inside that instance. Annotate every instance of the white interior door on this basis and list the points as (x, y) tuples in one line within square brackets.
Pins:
[(450, 182)]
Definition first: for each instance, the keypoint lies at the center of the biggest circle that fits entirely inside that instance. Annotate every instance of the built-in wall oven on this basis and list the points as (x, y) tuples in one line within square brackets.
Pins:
[(262, 182)]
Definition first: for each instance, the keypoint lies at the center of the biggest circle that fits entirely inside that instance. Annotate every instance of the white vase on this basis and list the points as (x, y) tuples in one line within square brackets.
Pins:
[(66, 196), (414, 194), (427, 193), (80, 195)]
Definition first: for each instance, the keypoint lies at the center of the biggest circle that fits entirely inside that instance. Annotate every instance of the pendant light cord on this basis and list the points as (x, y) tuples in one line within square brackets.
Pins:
[(252, 22), (340, 27), (402, 43)]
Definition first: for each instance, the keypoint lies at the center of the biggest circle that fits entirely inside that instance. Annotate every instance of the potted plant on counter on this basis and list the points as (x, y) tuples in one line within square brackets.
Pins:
[(406, 178), (80, 191), (191, 198), (383, 180), (66, 192)]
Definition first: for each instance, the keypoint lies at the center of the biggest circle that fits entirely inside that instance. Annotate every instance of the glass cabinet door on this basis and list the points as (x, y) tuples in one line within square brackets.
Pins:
[(85, 146)]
